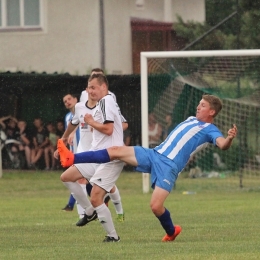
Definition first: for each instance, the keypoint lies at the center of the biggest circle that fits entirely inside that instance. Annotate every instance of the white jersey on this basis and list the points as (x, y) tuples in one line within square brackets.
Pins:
[(81, 109), (84, 96), (107, 111)]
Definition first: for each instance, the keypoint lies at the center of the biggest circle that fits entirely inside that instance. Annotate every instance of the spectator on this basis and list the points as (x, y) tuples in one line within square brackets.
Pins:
[(127, 142), (60, 128), (155, 131), (40, 141), (9, 125), (169, 126), (127, 137), (51, 147), (3, 121), (25, 139)]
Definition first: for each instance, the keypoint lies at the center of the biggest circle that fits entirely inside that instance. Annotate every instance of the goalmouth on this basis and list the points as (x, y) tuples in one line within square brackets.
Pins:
[(145, 56)]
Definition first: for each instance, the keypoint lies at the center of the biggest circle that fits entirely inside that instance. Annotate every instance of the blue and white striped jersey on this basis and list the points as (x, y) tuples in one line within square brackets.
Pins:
[(73, 147), (186, 139)]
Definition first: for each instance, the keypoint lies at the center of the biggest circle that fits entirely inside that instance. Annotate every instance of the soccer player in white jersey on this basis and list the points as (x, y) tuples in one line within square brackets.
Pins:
[(114, 193), (166, 161), (84, 144), (70, 101), (107, 131)]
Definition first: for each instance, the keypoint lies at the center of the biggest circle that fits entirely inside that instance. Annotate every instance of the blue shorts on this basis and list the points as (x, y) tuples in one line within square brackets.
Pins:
[(163, 170)]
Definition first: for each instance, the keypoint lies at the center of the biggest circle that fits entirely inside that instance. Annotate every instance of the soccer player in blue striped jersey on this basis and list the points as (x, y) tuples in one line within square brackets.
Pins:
[(166, 161)]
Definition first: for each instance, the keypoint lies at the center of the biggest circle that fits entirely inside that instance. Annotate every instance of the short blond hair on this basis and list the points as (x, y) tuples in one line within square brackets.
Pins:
[(214, 102)]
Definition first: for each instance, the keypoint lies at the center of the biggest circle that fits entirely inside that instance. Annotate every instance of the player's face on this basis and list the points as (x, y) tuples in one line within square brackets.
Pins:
[(37, 123), (95, 90), (204, 112), (60, 126), (69, 101)]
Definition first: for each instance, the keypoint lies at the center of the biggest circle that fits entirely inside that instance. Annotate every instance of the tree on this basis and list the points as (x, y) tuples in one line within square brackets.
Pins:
[(242, 30)]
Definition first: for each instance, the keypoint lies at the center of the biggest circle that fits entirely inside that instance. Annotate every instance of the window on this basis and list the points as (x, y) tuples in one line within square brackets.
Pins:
[(20, 14)]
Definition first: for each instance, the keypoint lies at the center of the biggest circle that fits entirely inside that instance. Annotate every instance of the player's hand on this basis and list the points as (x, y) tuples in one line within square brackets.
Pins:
[(232, 132), (88, 118), (56, 154), (71, 137)]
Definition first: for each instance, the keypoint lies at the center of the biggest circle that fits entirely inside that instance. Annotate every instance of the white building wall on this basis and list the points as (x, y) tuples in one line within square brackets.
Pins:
[(70, 41), (189, 10)]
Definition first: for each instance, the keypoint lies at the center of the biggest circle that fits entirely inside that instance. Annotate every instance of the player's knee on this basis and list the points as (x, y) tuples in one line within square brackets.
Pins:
[(114, 152), (65, 178), (95, 201), (62, 178), (156, 209)]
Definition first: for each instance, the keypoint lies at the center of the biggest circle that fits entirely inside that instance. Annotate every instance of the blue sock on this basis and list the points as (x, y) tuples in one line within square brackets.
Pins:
[(71, 201), (89, 189), (99, 156), (166, 222)]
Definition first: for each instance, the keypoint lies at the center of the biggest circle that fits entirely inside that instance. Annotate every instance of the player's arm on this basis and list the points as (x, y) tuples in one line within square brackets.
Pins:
[(71, 135), (70, 128), (68, 131), (225, 143), (105, 128), (124, 122), (124, 125)]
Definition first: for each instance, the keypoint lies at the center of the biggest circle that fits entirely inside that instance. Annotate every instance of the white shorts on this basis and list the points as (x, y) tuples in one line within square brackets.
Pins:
[(104, 175)]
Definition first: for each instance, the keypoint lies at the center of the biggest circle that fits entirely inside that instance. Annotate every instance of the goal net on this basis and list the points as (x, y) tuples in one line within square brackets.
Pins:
[(173, 84)]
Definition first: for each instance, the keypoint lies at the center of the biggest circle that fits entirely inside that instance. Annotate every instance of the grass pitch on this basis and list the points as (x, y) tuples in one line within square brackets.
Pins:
[(216, 224)]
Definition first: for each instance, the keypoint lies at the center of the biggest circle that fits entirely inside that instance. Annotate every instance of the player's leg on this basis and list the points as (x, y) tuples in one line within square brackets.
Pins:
[(69, 179), (103, 212), (116, 199), (70, 205), (81, 212), (103, 181), (47, 157), (123, 153), (157, 206)]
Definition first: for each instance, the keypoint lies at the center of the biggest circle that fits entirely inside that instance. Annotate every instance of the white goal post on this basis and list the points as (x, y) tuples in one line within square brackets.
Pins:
[(144, 84)]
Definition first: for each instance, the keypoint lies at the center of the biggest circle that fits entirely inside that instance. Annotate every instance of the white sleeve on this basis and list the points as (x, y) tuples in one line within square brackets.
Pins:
[(83, 96), (75, 118), (113, 95)]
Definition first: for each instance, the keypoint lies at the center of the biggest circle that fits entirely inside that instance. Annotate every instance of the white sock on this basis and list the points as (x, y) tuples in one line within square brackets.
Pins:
[(80, 196), (81, 211), (116, 199), (105, 218)]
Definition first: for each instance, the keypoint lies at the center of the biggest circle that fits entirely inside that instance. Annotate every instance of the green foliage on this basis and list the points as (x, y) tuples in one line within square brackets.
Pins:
[(242, 30), (193, 30)]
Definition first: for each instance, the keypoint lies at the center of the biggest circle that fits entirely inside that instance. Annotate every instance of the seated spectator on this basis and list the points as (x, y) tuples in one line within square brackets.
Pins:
[(127, 142), (25, 139), (51, 147), (60, 128), (169, 126), (155, 131), (15, 142), (9, 125), (127, 137), (40, 141), (3, 121)]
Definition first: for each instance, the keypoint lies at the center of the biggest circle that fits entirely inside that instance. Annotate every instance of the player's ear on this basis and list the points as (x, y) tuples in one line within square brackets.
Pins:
[(212, 112)]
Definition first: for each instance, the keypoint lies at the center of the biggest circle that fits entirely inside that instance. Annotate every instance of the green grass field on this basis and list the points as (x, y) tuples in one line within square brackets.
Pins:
[(216, 224)]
